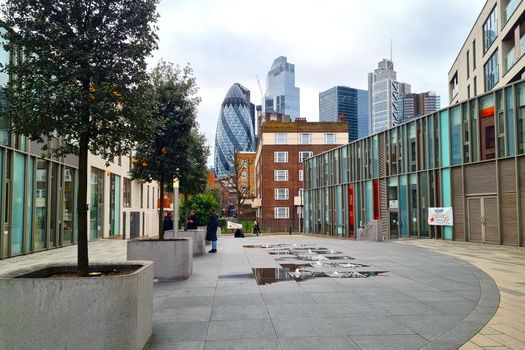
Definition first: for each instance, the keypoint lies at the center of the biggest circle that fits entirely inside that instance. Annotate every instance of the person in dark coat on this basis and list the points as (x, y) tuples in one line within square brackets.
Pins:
[(168, 222), (256, 228), (211, 230), (193, 221)]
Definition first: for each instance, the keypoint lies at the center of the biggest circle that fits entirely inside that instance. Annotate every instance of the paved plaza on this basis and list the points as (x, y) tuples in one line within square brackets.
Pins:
[(426, 299)]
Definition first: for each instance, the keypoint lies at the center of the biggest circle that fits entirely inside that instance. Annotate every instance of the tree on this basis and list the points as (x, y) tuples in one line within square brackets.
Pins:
[(79, 73), (173, 149), (201, 203), (194, 172), (234, 180)]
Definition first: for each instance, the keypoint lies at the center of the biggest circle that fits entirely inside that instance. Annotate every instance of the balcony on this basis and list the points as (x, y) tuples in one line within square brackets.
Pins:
[(509, 10), (511, 58)]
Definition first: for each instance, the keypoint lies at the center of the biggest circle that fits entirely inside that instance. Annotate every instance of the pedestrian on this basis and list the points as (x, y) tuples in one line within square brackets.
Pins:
[(193, 221), (211, 230), (168, 222), (256, 228)]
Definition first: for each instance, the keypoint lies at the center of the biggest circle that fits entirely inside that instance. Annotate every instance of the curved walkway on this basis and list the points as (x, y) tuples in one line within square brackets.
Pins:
[(427, 300), (506, 265)]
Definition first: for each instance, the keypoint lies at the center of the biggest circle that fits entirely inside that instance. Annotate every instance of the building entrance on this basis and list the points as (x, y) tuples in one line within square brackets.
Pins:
[(483, 219), (394, 225)]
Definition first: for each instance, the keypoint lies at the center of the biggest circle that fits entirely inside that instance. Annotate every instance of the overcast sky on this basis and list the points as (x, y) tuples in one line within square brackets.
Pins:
[(330, 42)]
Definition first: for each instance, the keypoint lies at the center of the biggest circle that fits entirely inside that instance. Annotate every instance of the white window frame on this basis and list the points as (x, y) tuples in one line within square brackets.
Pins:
[(330, 135), (276, 158), (281, 138), (281, 210), (281, 194), (301, 175), (244, 175), (302, 142), (277, 177), (300, 193), (243, 163), (301, 158)]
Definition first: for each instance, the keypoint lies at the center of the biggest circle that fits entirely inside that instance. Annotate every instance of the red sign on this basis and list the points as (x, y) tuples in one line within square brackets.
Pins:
[(486, 112)]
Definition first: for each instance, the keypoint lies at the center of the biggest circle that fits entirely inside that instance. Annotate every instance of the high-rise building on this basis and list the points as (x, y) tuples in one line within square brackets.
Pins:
[(385, 97), (235, 129), (282, 96), (415, 105), (492, 55), (348, 103)]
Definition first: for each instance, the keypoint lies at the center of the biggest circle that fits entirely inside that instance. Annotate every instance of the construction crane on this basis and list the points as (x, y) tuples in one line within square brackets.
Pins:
[(260, 88)]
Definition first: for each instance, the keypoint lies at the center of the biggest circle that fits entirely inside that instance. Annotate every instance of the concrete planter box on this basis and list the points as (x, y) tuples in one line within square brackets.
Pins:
[(173, 257), (199, 240), (110, 312)]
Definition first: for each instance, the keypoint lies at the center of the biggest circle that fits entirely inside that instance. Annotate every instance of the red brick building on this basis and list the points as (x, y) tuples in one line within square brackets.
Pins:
[(279, 168)]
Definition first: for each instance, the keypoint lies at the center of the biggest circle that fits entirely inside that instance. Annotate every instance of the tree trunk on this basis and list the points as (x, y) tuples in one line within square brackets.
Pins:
[(161, 211), (83, 208)]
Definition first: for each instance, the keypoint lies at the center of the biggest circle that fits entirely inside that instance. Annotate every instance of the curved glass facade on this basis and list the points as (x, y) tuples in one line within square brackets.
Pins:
[(235, 129)]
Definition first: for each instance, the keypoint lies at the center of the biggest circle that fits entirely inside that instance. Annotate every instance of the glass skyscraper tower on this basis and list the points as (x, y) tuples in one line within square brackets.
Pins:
[(282, 96), (350, 103), (235, 129)]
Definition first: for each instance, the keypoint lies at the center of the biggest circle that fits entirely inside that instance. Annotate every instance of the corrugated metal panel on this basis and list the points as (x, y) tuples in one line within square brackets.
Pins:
[(509, 221), (457, 204), (491, 220), (381, 156), (71, 160), (384, 210), (474, 219), (507, 176), (37, 148), (480, 178)]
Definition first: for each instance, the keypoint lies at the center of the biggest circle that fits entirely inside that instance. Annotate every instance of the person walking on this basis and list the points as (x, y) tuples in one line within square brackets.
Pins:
[(193, 221), (211, 230), (256, 228)]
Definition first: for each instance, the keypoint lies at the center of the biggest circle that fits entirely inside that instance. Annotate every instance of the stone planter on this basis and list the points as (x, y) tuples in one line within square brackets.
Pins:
[(110, 312), (173, 257), (199, 240)]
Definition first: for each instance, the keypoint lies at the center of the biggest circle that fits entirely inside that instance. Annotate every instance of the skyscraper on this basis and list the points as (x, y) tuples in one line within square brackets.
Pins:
[(347, 102), (415, 105), (235, 129), (282, 96), (385, 97)]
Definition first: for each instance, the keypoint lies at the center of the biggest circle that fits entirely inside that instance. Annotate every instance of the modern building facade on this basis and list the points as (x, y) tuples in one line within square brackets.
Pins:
[(235, 129), (492, 55), (416, 105), (385, 96), (282, 148), (349, 103), (468, 158), (282, 96)]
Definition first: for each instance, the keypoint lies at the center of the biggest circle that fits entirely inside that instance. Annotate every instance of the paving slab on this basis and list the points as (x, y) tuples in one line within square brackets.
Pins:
[(426, 299)]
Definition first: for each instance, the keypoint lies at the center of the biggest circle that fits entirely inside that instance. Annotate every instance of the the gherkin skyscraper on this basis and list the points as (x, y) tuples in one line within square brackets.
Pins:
[(235, 129)]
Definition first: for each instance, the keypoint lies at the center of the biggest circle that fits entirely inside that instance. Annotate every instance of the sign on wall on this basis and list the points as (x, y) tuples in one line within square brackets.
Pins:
[(440, 216)]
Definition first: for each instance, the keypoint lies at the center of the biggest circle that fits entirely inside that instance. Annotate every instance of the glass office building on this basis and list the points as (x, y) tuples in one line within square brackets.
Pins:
[(347, 102), (469, 157), (235, 130), (282, 96)]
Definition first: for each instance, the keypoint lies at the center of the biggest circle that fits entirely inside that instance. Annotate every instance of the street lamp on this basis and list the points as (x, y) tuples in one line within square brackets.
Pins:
[(175, 207)]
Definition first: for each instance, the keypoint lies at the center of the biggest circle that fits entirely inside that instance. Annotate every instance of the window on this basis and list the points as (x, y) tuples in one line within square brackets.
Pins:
[(280, 175), (301, 175), (329, 139), (281, 139), (243, 163), (305, 139), (468, 64), (147, 199), (301, 192), (491, 71), (281, 213), (243, 175), (280, 157), (490, 30), (127, 193), (475, 83), (305, 154), (474, 54), (281, 194)]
